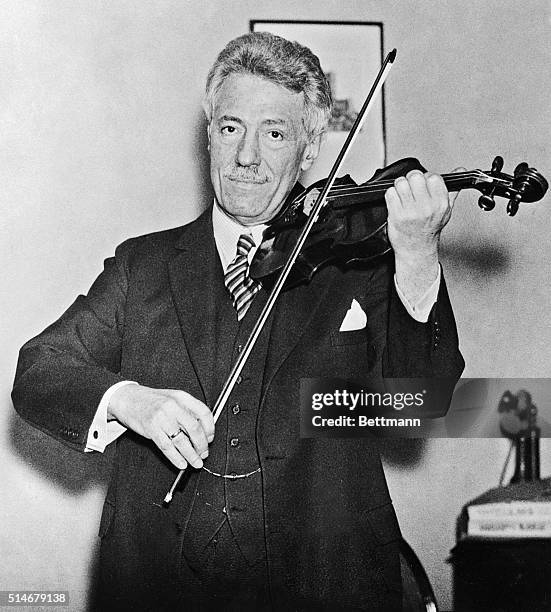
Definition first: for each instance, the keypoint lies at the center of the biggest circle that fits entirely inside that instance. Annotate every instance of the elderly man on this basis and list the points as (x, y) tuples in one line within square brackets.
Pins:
[(272, 522)]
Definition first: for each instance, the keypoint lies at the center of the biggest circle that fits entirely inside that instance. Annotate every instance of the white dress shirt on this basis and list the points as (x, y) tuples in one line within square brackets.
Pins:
[(226, 234)]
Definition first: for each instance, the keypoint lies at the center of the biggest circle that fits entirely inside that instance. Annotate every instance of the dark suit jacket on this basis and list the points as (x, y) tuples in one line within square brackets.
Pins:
[(330, 528)]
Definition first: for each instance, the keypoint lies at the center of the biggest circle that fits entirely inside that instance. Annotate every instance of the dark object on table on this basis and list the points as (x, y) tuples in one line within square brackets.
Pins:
[(503, 574)]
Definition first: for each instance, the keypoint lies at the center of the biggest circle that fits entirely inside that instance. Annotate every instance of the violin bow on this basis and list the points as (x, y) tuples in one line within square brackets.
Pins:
[(285, 271)]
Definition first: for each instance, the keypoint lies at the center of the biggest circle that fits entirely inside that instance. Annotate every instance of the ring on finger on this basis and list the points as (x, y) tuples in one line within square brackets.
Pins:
[(175, 435)]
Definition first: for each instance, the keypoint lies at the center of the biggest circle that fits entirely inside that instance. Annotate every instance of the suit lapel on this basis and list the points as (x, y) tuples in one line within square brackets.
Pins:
[(195, 276), (293, 314)]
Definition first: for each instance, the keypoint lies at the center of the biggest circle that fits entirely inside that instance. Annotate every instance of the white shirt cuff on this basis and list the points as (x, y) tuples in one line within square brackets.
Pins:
[(420, 311), (102, 432)]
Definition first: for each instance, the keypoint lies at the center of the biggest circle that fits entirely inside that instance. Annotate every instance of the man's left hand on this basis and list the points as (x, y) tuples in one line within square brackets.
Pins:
[(419, 206)]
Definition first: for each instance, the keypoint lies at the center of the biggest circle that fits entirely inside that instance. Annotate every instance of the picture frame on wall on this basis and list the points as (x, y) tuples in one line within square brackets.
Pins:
[(351, 54)]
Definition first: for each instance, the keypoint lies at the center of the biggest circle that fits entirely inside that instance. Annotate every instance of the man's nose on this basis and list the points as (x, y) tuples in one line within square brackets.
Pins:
[(248, 151)]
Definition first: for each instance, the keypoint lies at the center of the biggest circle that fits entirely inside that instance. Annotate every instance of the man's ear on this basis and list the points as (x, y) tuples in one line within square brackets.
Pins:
[(208, 116), (311, 152), (208, 135)]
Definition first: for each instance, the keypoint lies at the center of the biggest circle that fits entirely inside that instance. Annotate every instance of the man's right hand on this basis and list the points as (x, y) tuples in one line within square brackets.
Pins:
[(158, 414)]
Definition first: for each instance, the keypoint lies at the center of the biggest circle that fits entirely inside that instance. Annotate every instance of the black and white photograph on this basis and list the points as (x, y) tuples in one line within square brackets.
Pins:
[(223, 220)]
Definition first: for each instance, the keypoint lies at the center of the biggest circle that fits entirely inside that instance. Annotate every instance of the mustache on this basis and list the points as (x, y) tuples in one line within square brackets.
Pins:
[(247, 175)]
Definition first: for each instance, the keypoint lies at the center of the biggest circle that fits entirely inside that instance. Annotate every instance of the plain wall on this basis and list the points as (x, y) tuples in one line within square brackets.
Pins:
[(102, 138)]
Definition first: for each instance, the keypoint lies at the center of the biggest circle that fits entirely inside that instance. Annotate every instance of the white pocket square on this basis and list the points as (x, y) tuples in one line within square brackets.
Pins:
[(355, 318)]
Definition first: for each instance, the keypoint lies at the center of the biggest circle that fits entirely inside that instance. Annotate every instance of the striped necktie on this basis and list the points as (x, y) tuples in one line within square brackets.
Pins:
[(241, 286)]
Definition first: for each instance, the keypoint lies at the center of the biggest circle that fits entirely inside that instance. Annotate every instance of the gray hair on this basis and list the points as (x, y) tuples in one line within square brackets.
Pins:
[(280, 61)]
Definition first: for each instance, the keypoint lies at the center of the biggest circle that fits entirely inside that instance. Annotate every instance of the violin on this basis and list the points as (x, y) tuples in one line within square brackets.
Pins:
[(352, 227)]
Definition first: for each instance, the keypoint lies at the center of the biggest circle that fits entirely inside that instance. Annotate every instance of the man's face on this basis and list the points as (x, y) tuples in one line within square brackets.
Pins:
[(258, 146)]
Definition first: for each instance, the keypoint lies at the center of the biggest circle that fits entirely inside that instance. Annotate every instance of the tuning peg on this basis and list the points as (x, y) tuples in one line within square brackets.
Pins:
[(521, 168), (497, 164), (486, 202), (512, 206)]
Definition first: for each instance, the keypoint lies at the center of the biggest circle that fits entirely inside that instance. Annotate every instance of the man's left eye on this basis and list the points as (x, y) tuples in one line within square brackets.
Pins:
[(275, 135)]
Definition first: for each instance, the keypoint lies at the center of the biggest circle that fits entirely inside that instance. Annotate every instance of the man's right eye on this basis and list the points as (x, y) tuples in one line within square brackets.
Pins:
[(228, 129)]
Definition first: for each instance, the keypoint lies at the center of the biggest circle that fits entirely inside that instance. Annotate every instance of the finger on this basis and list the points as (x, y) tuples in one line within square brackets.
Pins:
[(200, 410), (453, 194), (437, 188), (418, 186), (184, 447), (194, 432), (165, 445), (176, 423), (401, 184), (393, 203)]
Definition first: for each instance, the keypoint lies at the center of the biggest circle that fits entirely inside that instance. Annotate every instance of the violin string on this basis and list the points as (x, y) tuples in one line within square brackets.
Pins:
[(379, 186), (376, 186), (385, 184)]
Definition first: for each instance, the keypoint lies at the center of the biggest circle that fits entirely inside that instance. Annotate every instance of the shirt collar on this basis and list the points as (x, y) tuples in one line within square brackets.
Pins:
[(227, 232)]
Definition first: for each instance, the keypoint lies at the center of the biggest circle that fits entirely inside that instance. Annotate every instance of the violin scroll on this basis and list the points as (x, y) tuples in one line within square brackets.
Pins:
[(526, 185)]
